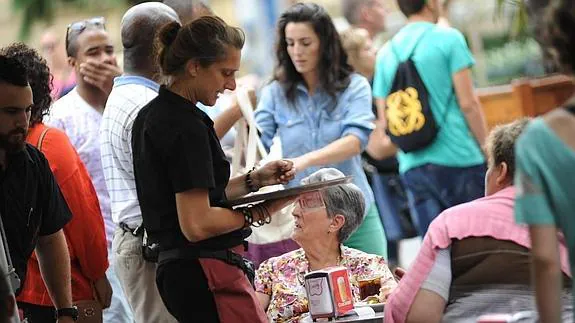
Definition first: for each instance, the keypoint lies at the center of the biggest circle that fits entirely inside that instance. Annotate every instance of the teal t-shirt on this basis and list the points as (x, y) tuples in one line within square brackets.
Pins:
[(441, 53), (544, 178)]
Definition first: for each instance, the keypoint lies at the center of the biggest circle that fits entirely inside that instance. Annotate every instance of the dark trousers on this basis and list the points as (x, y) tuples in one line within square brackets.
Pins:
[(184, 289), (432, 188), (37, 314)]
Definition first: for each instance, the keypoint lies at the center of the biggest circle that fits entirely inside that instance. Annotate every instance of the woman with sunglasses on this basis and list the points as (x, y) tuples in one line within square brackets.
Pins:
[(182, 178)]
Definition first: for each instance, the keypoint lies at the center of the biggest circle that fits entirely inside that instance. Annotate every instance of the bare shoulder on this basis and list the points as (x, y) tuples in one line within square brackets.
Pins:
[(562, 122)]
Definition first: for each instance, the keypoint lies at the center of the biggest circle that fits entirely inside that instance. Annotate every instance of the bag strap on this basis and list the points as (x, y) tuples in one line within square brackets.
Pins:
[(41, 138), (414, 48)]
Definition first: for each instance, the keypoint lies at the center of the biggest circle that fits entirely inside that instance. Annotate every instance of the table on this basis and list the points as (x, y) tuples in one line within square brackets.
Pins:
[(378, 318)]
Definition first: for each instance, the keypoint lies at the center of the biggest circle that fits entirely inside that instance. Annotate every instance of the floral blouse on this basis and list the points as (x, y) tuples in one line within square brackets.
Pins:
[(282, 279)]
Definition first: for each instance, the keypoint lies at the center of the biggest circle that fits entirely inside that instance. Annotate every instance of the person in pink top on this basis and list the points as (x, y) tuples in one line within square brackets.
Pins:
[(475, 259)]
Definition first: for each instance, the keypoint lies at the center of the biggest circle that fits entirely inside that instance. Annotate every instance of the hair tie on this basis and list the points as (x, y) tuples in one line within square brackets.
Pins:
[(171, 33)]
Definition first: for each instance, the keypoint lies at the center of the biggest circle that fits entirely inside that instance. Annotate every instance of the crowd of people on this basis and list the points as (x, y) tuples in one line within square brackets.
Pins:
[(114, 183)]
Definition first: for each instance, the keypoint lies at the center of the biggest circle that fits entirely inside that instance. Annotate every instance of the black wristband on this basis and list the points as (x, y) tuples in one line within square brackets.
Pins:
[(71, 312), (250, 182)]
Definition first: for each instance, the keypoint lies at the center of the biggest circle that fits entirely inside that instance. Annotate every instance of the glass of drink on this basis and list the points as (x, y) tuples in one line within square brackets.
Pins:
[(369, 287)]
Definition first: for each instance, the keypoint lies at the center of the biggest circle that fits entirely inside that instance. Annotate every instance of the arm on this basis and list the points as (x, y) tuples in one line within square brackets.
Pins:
[(226, 120), (427, 307), (546, 272), (429, 302), (199, 221), (264, 300), (54, 261), (379, 145), (470, 105), (339, 150), (272, 173), (357, 127)]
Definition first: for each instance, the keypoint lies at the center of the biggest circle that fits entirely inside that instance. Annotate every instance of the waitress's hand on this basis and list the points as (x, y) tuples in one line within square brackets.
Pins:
[(273, 173)]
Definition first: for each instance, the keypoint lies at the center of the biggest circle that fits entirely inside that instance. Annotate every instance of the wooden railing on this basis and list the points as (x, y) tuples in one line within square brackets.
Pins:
[(524, 97)]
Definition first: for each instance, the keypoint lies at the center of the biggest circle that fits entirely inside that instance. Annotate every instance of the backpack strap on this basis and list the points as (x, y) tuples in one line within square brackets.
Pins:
[(41, 138), (414, 48)]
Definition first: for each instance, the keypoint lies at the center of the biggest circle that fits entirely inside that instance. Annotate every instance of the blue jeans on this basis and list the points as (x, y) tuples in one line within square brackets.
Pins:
[(433, 188)]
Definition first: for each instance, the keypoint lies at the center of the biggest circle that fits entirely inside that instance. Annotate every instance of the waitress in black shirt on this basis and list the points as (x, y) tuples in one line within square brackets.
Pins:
[(182, 177)]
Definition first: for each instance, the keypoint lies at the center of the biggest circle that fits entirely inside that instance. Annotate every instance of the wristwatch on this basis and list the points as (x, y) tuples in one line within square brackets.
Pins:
[(68, 311)]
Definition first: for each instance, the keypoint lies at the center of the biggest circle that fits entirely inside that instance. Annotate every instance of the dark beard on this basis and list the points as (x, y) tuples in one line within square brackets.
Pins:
[(13, 146)]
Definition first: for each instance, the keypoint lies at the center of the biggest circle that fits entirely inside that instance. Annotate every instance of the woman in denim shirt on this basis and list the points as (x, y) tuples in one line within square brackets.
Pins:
[(320, 109)]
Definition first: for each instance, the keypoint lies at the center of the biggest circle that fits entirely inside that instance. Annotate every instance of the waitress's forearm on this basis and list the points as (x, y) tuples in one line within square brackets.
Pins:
[(338, 151), (216, 222), (237, 187)]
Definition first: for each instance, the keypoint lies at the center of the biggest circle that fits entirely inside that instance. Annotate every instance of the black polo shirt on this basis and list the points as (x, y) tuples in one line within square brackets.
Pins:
[(175, 149), (31, 204)]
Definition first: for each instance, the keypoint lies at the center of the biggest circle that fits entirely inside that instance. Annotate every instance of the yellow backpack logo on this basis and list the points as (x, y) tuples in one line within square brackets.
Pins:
[(404, 112)]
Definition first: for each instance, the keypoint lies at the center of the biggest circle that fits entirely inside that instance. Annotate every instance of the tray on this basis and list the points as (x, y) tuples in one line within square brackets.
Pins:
[(288, 192)]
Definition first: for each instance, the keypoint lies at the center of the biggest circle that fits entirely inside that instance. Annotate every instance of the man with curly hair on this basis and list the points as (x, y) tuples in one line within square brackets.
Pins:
[(85, 232)]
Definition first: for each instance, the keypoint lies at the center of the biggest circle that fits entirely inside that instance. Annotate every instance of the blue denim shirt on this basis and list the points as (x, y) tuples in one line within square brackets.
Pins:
[(312, 122)]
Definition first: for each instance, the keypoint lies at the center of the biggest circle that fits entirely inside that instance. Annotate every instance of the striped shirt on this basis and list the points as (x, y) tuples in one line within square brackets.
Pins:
[(129, 95)]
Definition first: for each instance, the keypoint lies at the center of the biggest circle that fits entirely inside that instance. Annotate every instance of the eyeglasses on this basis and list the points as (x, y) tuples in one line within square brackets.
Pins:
[(79, 26), (311, 201)]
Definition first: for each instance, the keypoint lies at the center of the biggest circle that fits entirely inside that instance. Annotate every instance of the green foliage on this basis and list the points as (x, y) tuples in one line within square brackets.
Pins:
[(34, 11), (517, 58)]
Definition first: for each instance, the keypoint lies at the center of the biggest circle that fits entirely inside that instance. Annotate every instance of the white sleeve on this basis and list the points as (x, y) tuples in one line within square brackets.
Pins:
[(439, 278)]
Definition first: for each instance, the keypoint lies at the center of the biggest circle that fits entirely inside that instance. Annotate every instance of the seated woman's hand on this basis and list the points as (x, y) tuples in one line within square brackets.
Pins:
[(384, 293), (273, 173)]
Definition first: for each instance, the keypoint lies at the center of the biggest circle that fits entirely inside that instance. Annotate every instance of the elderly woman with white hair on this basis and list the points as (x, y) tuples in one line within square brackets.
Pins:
[(321, 225)]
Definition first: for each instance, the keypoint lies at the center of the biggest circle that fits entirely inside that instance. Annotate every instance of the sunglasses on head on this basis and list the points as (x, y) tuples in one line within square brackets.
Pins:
[(79, 26)]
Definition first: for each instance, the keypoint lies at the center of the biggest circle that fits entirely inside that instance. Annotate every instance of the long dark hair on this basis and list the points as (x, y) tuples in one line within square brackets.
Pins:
[(334, 71)]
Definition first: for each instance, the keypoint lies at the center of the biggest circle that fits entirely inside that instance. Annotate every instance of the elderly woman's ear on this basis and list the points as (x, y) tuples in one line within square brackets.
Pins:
[(502, 178), (336, 223)]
